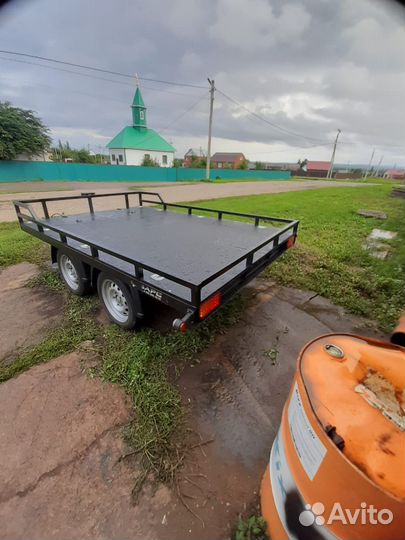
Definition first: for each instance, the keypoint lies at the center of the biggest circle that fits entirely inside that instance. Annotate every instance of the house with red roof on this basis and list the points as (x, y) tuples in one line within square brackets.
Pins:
[(227, 160), (318, 169), (395, 174)]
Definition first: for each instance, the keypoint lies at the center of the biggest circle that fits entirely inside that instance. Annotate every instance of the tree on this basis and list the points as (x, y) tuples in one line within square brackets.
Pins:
[(303, 164), (149, 162), (177, 163), (202, 163), (259, 166), (84, 156), (198, 162), (63, 151), (21, 132), (243, 164)]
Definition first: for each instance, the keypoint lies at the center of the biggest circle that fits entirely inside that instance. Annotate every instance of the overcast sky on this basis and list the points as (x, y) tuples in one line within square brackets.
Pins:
[(309, 66)]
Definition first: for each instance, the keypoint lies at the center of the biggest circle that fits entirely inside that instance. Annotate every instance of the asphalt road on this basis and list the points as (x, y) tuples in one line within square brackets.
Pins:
[(169, 192)]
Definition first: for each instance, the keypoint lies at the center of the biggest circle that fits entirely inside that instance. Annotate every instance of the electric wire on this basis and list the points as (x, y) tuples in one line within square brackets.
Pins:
[(101, 70)]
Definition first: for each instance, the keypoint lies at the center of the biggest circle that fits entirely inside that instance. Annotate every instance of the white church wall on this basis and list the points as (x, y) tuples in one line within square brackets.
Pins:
[(117, 156), (136, 157)]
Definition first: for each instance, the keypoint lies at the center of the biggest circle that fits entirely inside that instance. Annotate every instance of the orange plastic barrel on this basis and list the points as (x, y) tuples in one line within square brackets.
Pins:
[(337, 465)]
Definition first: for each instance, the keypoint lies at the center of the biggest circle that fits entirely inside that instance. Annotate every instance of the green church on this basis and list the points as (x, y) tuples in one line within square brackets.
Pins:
[(135, 143)]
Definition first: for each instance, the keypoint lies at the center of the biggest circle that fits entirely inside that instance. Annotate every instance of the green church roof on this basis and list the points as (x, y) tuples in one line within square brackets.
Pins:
[(140, 139)]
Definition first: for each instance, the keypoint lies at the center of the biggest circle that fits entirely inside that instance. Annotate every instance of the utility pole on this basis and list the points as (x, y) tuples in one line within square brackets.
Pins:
[(369, 164), (212, 92), (332, 159), (377, 170)]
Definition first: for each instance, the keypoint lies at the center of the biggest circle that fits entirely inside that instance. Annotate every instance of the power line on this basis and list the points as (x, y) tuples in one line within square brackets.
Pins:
[(101, 70), (82, 66), (158, 81), (56, 89), (54, 68), (185, 112), (259, 117)]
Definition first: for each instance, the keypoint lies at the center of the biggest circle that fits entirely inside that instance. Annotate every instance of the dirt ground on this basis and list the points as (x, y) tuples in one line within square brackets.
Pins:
[(61, 445), (169, 192), (26, 314)]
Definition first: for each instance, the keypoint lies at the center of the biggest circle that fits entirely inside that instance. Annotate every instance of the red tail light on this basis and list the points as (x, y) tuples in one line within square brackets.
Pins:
[(290, 242), (209, 305), (183, 327)]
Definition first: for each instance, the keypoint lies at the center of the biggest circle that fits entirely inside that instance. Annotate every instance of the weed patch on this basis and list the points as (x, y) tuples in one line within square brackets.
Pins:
[(251, 528), (78, 326), (17, 246), (137, 361), (328, 257)]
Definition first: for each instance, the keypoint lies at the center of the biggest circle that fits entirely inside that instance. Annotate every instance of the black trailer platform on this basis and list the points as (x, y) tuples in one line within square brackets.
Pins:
[(181, 255)]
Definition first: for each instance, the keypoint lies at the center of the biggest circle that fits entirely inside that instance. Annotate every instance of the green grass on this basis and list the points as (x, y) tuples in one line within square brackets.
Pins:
[(139, 362), (78, 325), (17, 246), (328, 257), (251, 528), (228, 180), (368, 180)]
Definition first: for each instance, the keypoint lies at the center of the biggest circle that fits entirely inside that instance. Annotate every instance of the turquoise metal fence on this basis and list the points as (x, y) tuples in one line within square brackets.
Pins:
[(29, 171)]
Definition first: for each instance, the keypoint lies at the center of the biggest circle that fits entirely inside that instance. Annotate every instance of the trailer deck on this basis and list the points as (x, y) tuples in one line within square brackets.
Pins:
[(182, 253)]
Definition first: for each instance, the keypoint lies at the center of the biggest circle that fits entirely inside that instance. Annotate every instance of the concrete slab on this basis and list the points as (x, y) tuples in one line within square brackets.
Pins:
[(375, 214), (26, 314), (235, 392), (380, 234), (376, 243), (61, 444)]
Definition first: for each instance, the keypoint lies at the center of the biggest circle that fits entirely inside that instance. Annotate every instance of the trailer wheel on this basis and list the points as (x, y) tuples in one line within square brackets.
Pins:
[(73, 273), (117, 301)]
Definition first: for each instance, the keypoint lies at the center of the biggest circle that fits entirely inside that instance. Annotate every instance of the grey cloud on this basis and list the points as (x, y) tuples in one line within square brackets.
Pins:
[(311, 66)]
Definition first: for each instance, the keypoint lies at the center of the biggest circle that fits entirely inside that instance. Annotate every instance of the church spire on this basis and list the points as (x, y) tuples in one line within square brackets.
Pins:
[(138, 109)]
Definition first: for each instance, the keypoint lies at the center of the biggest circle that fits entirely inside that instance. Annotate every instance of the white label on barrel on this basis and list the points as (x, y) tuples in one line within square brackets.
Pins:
[(309, 448)]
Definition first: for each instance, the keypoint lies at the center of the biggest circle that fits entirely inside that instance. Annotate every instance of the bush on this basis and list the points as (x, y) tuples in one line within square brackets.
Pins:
[(149, 162)]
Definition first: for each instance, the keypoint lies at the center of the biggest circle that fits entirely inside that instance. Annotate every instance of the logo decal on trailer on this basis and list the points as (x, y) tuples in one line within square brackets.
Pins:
[(152, 292)]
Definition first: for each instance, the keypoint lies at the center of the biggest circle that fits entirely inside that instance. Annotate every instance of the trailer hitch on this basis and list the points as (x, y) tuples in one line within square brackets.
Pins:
[(182, 324)]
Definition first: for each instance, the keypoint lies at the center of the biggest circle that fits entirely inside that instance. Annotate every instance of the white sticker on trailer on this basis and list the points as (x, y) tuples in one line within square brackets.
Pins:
[(309, 447)]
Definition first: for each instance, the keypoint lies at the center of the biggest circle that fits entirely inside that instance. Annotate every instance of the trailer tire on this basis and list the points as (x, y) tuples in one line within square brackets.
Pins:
[(73, 273), (117, 300)]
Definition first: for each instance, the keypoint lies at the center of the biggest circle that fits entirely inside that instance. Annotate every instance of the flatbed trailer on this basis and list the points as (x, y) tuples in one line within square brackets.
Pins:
[(174, 253)]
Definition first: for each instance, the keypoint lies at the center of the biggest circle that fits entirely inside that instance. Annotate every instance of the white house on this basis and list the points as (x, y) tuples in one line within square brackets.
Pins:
[(44, 156), (135, 143)]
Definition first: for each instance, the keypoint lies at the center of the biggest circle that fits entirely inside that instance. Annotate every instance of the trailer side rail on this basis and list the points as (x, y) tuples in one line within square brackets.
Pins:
[(251, 267)]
